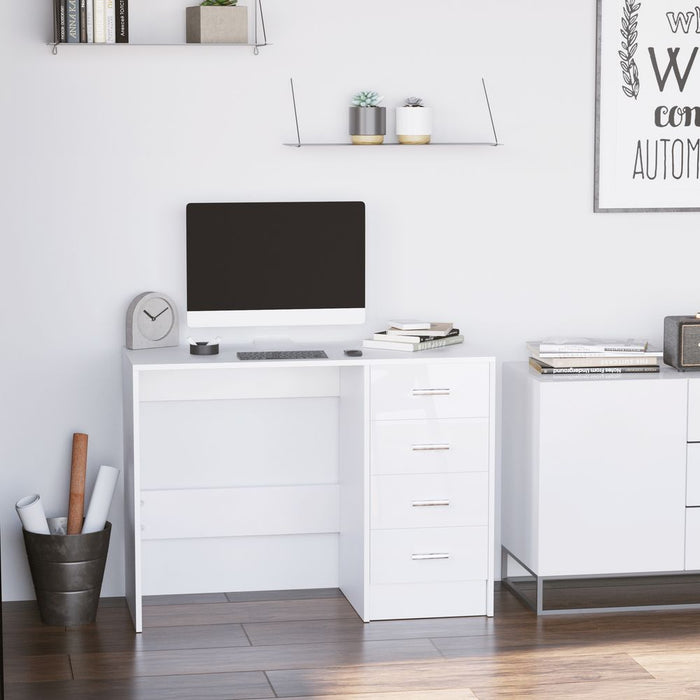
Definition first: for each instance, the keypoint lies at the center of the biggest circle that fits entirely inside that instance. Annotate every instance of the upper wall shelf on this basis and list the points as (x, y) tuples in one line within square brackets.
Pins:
[(495, 142), (259, 37)]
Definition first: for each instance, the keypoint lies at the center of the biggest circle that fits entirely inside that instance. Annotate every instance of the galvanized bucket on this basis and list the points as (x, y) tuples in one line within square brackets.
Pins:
[(67, 572)]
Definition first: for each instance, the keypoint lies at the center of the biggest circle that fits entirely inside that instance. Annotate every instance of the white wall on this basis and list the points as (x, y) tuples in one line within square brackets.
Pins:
[(102, 147)]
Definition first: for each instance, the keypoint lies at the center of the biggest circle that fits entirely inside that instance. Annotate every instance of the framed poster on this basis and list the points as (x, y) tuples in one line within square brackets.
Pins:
[(647, 140)]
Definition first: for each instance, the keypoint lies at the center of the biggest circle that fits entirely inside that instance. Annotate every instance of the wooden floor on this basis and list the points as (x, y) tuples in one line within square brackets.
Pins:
[(310, 644)]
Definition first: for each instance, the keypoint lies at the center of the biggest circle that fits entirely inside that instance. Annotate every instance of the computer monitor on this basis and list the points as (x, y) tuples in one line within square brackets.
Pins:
[(275, 264)]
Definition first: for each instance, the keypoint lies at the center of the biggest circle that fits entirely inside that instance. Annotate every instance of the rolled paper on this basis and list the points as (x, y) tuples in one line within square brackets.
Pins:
[(31, 512), (101, 499), (76, 503)]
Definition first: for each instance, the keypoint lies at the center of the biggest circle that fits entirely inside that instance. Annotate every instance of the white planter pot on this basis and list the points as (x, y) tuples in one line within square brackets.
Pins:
[(414, 125)]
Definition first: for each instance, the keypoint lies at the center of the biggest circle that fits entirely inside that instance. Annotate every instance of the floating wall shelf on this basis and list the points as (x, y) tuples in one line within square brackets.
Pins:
[(258, 24), (299, 143)]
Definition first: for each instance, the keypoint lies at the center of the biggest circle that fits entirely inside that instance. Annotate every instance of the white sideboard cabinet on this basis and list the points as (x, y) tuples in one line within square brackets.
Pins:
[(373, 474), (601, 475)]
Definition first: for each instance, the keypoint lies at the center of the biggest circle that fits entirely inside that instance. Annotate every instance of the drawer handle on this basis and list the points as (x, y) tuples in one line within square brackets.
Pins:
[(430, 555), (431, 392), (428, 447), (423, 504)]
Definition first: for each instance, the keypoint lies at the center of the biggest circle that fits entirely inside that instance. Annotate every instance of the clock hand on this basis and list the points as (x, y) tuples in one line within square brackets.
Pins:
[(162, 312), (153, 318)]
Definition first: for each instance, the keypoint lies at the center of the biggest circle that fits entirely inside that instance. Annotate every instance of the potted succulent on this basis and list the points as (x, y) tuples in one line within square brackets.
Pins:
[(414, 122), (217, 22), (367, 120)]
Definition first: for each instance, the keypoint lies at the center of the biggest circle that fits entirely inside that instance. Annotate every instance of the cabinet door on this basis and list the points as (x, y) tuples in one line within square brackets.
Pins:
[(612, 476)]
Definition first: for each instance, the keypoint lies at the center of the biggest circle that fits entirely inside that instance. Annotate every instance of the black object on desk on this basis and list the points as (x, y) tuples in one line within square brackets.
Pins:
[(204, 348)]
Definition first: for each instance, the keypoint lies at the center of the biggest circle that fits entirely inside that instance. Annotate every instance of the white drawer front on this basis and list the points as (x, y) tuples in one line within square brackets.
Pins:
[(436, 446), (692, 539), (428, 554), (429, 500), (401, 392), (403, 600), (694, 410), (692, 483)]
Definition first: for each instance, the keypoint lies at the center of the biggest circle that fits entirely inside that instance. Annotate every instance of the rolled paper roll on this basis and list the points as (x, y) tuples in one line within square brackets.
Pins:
[(76, 503), (101, 499), (31, 512)]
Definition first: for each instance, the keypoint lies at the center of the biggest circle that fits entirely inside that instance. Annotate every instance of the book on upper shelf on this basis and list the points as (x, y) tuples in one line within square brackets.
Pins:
[(99, 21), (82, 16), (616, 360), (412, 347), (122, 20), (110, 22), (393, 337), (410, 325), (621, 369), (60, 20), (72, 22), (589, 345), (533, 349), (440, 329)]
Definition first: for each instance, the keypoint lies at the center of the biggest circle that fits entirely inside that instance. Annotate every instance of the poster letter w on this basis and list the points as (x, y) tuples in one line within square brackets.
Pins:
[(672, 66)]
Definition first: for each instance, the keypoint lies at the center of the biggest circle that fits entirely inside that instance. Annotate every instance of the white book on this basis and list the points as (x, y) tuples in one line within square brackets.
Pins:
[(617, 360), (590, 345), (98, 22), (413, 347), (89, 11), (110, 22), (439, 329), (409, 325), (649, 352)]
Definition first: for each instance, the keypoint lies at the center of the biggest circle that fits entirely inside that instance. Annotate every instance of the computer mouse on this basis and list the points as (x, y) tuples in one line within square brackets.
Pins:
[(353, 353)]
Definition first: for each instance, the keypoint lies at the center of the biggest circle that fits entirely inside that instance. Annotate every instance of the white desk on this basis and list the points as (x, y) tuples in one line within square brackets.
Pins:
[(373, 474)]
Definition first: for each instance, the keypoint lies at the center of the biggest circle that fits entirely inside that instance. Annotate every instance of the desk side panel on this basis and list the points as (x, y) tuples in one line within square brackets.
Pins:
[(520, 464), (132, 489), (353, 459)]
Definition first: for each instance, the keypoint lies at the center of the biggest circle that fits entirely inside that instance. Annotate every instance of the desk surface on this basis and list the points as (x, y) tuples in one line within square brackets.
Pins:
[(180, 357)]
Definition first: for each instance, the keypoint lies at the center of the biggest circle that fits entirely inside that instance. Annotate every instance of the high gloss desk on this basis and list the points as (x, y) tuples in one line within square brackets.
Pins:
[(373, 474)]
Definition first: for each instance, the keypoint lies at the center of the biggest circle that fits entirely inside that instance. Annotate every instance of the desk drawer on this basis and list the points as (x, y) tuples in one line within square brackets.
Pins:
[(694, 410), (692, 482), (422, 447), (429, 500), (391, 601), (429, 554), (426, 391), (692, 539)]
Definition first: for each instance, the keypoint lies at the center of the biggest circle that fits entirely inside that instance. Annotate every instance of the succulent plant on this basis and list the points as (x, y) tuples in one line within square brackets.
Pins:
[(366, 98), (413, 102), (219, 3)]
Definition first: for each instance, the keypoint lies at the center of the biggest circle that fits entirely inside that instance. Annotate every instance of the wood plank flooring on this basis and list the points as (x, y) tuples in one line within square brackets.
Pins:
[(311, 645)]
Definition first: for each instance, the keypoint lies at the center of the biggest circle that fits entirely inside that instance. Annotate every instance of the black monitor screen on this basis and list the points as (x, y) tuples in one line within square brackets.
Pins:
[(275, 255)]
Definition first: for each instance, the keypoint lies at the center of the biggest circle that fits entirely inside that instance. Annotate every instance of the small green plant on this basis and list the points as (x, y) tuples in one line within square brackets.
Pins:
[(220, 3), (413, 102), (366, 98)]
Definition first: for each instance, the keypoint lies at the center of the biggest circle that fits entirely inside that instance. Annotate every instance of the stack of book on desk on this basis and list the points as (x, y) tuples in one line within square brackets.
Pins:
[(409, 336), (592, 356)]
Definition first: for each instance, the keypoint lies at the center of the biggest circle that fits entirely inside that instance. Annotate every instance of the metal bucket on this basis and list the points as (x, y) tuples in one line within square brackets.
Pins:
[(67, 572)]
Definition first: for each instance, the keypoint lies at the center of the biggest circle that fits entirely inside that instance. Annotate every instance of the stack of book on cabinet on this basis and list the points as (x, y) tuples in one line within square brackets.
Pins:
[(91, 21), (410, 336), (592, 356)]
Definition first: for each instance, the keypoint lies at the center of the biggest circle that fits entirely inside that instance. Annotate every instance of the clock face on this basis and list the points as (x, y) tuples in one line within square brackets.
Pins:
[(154, 318)]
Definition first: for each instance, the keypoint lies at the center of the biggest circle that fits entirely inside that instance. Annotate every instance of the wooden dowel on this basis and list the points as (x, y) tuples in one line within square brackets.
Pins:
[(76, 503)]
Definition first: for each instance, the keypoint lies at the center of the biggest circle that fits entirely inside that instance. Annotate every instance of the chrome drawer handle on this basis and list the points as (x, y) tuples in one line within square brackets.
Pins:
[(430, 555), (428, 447), (431, 392), (422, 504)]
